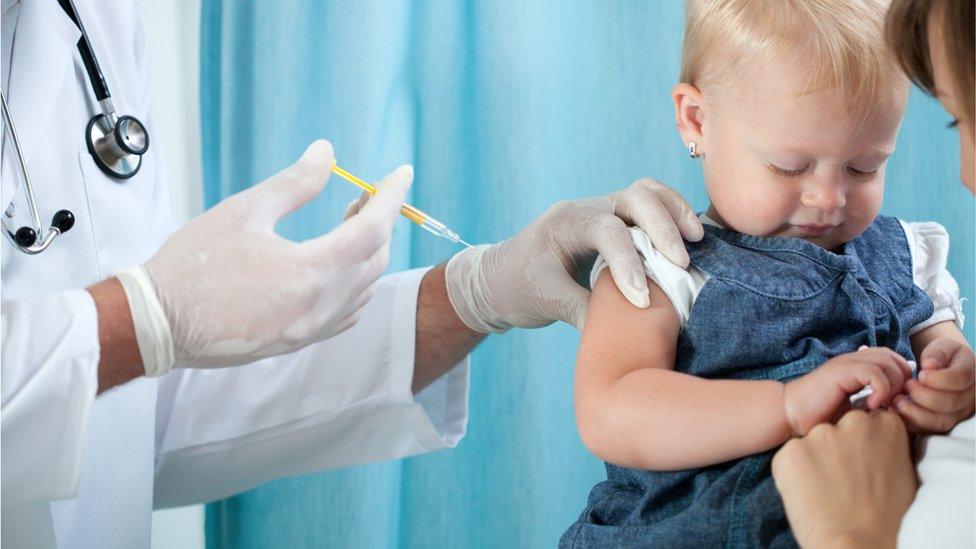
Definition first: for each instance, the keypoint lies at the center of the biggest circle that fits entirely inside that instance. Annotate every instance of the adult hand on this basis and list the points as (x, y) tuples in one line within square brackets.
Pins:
[(529, 281), (226, 289), (849, 484)]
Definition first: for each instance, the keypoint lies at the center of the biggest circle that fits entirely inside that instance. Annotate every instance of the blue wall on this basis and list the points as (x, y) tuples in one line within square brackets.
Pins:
[(504, 107)]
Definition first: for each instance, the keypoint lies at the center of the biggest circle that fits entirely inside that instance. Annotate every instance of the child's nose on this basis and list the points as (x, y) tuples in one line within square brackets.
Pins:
[(826, 195)]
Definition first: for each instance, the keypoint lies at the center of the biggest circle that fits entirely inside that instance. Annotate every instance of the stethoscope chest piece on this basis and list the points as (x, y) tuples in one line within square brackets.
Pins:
[(117, 144)]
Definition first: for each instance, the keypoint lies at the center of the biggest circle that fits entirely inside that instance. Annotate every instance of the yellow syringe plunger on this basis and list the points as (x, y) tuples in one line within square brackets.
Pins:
[(413, 214)]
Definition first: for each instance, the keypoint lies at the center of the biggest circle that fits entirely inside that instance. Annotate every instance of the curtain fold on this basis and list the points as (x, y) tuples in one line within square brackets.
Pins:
[(503, 107)]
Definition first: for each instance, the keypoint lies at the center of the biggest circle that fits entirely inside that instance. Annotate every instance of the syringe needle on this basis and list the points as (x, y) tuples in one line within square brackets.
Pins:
[(413, 214)]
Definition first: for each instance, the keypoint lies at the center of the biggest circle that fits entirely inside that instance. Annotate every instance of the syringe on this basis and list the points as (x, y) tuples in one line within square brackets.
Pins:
[(425, 221)]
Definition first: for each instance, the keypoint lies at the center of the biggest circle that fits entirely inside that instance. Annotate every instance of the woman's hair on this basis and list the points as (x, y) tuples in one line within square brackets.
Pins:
[(842, 42), (907, 32)]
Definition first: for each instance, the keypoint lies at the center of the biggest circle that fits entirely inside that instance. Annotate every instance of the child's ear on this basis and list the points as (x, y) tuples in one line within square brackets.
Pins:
[(688, 113)]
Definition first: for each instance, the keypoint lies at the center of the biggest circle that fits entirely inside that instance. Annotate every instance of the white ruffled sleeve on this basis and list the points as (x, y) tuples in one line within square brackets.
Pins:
[(680, 285), (929, 246)]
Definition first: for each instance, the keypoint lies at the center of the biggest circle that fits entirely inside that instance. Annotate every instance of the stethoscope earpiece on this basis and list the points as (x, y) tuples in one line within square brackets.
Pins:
[(63, 220), (116, 144), (25, 237)]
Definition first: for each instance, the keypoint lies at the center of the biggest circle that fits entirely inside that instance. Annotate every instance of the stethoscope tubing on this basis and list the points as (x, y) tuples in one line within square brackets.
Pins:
[(115, 143)]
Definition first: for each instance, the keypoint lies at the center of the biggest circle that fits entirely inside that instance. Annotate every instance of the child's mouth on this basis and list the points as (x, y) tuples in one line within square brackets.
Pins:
[(814, 230)]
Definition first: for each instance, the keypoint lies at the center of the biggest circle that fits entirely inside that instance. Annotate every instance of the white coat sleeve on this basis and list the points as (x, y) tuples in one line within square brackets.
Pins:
[(342, 402), (49, 380)]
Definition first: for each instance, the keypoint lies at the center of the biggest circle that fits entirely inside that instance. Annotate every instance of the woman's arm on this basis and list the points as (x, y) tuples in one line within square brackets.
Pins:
[(634, 410)]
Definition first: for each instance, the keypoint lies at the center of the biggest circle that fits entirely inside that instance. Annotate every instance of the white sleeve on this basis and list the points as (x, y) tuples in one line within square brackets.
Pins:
[(680, 285), (49, 380), (928, 243), (345, 401), (941, 515)]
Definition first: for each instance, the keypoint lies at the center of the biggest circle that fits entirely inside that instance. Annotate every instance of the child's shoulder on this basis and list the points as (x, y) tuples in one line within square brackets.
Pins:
[(681, 285)]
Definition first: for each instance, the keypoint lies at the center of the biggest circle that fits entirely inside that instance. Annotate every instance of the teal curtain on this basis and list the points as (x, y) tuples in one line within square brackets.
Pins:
[(503, 107)]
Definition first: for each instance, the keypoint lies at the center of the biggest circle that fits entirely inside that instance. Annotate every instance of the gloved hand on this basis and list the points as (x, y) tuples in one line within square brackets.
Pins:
[(226, 290), (529, 280)]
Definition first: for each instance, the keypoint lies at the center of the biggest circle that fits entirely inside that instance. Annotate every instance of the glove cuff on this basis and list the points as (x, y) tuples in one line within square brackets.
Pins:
[(466, 290), (151, 326)]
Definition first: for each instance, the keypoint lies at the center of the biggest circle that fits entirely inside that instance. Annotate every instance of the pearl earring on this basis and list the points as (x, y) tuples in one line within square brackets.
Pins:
[(693, 149)]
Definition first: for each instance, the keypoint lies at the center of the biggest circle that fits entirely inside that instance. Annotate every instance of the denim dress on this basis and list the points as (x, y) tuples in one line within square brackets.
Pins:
[(773, 308)]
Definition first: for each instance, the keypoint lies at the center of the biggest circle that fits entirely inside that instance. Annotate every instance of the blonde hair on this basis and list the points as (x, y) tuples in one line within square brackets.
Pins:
[(841, 41)]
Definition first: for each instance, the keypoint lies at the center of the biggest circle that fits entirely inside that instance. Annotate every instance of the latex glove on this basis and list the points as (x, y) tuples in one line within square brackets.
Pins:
[(232, 291), (529, 281), (847, 485)]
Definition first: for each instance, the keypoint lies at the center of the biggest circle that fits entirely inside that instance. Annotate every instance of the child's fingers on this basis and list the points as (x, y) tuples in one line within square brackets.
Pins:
[(898, 373), (938, 354), (958, 376), (884, 355), (944, 402), (868, 373), (922, 421)]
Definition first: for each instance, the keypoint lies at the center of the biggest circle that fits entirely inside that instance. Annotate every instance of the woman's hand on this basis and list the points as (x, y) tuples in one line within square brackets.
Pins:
[(821, 395), (849, 484), (943, 395)]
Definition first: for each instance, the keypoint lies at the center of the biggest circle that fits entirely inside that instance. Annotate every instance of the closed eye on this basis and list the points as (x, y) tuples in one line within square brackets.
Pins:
[(859, 174), (784, 172)]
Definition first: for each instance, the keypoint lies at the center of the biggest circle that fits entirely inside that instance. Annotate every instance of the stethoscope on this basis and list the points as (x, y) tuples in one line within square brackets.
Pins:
[(116, 144)]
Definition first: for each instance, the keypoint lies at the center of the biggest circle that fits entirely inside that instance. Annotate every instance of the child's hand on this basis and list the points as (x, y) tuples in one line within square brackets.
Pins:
[(943, 395), (819, 396)]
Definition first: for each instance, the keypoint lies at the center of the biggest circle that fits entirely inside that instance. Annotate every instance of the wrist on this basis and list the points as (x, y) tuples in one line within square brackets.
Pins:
[(788, 420), (442, 339), (852, 539), (119, 359), (151, 327), (466, 292)]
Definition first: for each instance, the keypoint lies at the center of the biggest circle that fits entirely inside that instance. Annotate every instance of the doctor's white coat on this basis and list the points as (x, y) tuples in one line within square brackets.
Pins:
[(80, 470)]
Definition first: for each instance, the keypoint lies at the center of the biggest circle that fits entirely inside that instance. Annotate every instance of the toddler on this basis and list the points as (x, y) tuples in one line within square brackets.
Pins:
[(798, 296)]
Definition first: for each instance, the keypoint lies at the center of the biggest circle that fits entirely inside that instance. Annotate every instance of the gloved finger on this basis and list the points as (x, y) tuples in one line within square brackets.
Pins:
[(943, 402), (370, 229), (957, 375), (572, 308), (611, 238), (645, 209), (681, 211), (291, 188), (921, 420), (353, 207)]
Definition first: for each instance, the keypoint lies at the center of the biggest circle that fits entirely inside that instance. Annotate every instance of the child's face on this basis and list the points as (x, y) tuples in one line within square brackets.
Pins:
[(779, 163)]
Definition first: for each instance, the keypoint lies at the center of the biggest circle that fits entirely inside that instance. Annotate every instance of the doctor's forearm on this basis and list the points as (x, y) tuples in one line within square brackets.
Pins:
[(443, 339), (119, 360)]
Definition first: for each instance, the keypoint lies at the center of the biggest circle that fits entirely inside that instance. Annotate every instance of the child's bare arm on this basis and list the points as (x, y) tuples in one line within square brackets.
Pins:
[(634, 410)]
